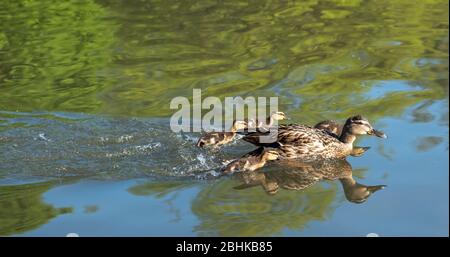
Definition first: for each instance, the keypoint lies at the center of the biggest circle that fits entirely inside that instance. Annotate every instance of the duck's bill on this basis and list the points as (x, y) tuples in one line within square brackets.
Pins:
[(378, 133), (373, 189), (358, 151)]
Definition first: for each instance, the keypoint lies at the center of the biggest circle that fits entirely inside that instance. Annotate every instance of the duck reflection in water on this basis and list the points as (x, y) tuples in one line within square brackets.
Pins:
[(297, 175)]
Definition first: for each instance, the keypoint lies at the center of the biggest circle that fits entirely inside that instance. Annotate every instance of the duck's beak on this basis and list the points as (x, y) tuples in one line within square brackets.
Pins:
[(373, 189), (377, 133), (286, 118), (358, 151)]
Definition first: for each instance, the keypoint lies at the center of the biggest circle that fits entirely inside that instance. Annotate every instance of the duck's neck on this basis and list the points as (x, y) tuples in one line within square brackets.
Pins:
[(347, 138), (348, 184), (347, 181)]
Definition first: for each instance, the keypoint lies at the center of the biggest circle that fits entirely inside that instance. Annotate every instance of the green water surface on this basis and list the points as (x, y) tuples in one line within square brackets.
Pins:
[(85, 87)]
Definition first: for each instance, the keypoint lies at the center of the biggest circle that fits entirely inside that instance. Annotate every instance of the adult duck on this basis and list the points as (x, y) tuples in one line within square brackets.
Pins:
[(308, 143)]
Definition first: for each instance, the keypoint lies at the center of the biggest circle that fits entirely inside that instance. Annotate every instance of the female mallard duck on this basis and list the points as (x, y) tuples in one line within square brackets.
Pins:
[(252, 161), (220, 138), (300, 141)]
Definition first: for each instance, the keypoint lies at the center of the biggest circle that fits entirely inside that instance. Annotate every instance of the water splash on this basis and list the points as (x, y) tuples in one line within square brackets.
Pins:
[(99, 147)]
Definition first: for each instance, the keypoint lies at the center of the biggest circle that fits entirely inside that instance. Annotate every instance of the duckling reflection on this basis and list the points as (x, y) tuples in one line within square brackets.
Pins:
[(299, 176)]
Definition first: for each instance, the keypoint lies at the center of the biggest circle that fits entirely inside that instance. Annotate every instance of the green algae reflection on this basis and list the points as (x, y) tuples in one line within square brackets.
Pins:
[(224, 211), (22, 208), (132, 57), (53, 55)]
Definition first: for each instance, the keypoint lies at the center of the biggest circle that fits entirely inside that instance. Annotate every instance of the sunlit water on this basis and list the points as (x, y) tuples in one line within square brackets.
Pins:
[(85, 143)]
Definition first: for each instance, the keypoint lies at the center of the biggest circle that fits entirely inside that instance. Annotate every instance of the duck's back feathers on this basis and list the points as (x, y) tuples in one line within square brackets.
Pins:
[(298, 141), (292, 134)]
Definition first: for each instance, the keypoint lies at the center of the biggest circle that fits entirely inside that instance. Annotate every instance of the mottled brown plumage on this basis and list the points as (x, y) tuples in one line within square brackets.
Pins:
[(258, 125), (335, 128), (308, 143), (217, 139), (330, 126)]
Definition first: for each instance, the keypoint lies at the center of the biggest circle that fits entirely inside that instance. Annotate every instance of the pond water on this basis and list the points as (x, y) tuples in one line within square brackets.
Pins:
[(85, 143)]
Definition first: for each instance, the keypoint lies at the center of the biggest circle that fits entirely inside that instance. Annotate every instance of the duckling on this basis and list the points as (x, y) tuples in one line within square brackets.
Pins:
[(308, 143), (265, 126), (220, 138), (331, 126), (252, 161)]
